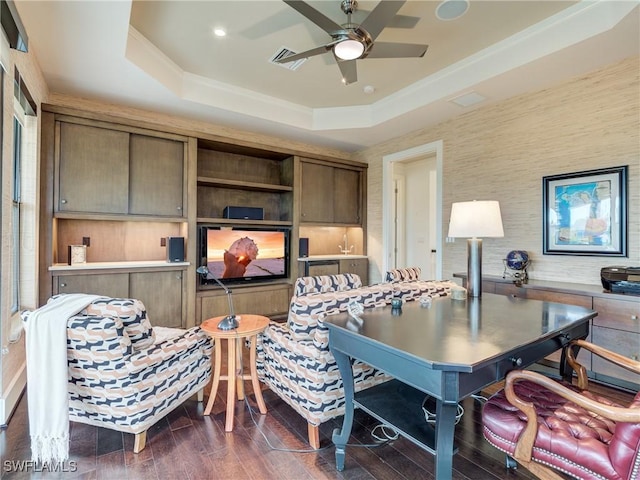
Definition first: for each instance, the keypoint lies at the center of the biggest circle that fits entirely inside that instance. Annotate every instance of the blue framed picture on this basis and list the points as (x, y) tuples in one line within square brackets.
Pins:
[(585, 213)]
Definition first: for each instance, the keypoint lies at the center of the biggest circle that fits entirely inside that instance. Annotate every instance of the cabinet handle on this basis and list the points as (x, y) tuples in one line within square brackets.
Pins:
[(634, 317), (179, 208), (62, 285), (63, 201)]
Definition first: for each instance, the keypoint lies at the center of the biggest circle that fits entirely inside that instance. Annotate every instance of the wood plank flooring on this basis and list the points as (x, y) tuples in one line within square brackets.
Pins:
[(188, 445)]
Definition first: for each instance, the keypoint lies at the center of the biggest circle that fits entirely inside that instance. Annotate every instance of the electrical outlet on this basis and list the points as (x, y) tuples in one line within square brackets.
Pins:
[(86, 241), (163, 242)]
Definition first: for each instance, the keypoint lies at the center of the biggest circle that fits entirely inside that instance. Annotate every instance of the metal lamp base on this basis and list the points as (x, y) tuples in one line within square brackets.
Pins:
[(474, 267)]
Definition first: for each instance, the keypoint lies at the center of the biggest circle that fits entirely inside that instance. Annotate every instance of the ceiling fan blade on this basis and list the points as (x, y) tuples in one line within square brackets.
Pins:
[(315, 16), (307, 54), (348, 69), (381, 16), (396, 50), (398, 21)]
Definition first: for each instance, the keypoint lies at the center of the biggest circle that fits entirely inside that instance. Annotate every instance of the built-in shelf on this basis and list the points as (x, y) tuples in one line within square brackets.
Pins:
[(117, 217), (159, 264), (235, 221), (242, 185), (395, 403)]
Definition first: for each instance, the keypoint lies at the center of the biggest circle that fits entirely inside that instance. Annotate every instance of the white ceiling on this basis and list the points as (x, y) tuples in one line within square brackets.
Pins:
[(163, 56)]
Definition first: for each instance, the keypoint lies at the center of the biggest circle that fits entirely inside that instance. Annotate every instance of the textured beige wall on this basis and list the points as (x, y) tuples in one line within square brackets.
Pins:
[(502, 151)]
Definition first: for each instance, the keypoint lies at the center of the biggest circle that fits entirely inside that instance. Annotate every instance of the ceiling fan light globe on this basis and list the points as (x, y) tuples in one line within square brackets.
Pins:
[(349, 49)]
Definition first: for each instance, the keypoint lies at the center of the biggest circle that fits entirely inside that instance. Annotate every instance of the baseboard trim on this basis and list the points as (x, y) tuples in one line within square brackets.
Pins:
[(14, 391)]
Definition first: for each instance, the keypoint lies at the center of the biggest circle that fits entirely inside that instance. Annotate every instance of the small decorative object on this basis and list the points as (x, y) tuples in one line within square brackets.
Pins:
[(355, 309), (396, 303), (458, 293), (77, 254), (585, 213), (515, 265), (425, 300)]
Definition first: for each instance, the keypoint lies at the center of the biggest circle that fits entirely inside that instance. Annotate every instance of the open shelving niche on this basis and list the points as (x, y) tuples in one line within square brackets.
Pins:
[(235, 175)]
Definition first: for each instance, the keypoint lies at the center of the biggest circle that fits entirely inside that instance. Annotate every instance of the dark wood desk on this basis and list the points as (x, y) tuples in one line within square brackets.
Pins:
[(449, 350)]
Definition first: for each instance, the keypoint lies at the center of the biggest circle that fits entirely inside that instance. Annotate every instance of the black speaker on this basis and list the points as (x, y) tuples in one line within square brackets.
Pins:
[(303, 247), (175, 249), (243, 213)]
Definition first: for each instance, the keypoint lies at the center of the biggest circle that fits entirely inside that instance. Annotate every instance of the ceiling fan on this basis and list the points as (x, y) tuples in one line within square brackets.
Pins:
[(352, 41)]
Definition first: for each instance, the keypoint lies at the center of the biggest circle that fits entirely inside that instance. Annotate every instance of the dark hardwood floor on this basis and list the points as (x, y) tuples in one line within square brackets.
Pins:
[(188, 445)]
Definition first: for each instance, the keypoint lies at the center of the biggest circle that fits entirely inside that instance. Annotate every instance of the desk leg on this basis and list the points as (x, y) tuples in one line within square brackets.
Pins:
[(445, 429), (231, 384), (216, 376), (341, 437)]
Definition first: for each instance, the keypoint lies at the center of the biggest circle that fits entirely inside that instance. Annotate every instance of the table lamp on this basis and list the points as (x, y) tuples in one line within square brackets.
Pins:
[(474, 220)]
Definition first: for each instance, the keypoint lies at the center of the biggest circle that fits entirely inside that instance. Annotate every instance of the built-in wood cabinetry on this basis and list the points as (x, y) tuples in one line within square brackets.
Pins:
[(331, 194), (104, 168), (616, 327), (122, 186), (161, 291), (229, 175), (333, 265), (271, 300)]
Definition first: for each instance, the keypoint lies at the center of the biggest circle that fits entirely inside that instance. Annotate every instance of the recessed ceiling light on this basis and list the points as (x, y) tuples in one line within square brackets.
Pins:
[(451, 9), (468, 99), (219, 32), (369, 89)]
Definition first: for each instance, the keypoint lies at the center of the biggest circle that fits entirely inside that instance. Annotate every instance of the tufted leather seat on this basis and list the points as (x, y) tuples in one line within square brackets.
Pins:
[(570, 435)]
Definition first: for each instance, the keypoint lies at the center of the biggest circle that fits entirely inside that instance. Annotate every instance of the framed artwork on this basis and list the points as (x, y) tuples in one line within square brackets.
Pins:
[(585, 213)]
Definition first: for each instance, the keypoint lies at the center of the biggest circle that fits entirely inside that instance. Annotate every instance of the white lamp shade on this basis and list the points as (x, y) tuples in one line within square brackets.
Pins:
[(349, 49), (475, 219)]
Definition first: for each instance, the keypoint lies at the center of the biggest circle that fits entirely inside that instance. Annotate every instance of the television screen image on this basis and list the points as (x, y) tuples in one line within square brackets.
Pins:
[(245, 254)]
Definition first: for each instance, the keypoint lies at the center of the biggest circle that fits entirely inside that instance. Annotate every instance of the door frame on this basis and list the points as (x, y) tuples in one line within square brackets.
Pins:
[(387, 192)]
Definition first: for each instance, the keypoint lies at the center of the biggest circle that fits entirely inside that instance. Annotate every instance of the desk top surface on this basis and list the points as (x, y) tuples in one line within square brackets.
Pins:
[(452, 333)]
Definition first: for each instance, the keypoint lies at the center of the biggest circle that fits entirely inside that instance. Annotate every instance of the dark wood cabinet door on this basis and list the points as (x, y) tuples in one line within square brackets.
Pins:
[(347, 196), (156, 173), (93, 169), (115, 285), (317, 193), (359, 266), (161, 293)]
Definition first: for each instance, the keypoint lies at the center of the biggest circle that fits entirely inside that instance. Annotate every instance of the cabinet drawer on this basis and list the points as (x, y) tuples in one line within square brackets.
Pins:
[(620, 314), (509, 289), (268, 302), (619, 341), (558, 297)]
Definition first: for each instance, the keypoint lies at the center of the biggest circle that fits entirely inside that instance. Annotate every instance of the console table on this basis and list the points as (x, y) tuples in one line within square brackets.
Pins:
[(617, 326), (448, 350)]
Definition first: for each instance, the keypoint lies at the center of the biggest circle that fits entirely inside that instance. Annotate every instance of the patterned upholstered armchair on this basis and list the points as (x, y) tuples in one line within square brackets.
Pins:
[(125, 374), (294, 358), (407, 284)]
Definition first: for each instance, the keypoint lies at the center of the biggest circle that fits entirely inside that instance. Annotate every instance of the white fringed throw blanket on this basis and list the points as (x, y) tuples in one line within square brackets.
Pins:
[(46, 345)]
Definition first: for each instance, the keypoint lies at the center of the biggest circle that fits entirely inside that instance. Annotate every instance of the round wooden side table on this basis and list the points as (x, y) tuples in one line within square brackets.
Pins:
[(248, 327)]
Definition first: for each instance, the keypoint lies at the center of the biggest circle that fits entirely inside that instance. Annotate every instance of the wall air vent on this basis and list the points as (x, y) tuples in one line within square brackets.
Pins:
[(285, 52)]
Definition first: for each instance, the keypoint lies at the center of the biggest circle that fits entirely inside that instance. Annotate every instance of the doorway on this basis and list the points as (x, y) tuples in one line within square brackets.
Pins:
[(412, 210)]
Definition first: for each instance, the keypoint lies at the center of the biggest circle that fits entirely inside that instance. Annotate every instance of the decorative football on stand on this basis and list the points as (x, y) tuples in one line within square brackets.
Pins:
[(515, 265), (517, 259)]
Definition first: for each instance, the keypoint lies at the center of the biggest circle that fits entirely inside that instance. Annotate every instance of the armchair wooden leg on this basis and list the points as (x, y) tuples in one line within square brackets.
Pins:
[(201, 395), (140, 442), (314, 436)]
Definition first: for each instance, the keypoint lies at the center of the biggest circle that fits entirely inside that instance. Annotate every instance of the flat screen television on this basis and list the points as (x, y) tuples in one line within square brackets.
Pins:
[(239, 254)]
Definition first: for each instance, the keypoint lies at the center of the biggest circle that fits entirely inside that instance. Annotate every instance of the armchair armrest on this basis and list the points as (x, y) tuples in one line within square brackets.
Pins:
[(280, 335), (581, 371), (524, 447), (192, 340)]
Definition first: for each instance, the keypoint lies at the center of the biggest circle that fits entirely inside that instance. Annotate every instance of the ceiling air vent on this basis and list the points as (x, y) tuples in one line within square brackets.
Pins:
[(285, 52)]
